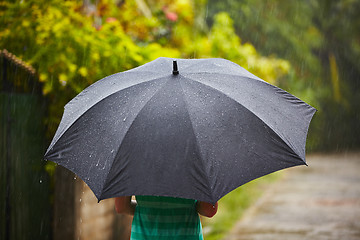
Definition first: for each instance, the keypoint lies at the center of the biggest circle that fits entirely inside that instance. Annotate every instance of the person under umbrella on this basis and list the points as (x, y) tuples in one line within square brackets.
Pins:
[(165, 217), (196, 132)]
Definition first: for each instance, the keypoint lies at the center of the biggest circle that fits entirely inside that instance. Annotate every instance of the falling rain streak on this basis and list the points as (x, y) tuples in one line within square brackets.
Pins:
[(308, 48)]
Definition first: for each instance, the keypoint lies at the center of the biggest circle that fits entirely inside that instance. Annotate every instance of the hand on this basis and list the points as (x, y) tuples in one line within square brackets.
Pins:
[(124, 205), (206, 209)]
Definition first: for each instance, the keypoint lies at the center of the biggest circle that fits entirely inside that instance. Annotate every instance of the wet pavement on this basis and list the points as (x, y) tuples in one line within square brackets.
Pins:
[(319, 202)]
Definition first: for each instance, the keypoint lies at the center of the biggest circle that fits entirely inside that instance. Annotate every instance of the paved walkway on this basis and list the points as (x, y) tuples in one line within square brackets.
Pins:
[(319, 202)]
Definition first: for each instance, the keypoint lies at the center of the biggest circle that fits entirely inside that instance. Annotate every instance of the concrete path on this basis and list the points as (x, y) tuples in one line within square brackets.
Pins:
[(319, 202)]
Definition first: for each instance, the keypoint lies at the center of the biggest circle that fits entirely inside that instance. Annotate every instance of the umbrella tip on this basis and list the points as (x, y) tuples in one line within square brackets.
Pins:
[(175, 68)]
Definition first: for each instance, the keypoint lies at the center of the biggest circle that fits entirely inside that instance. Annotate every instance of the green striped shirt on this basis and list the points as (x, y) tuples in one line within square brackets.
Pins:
[(165, 218)]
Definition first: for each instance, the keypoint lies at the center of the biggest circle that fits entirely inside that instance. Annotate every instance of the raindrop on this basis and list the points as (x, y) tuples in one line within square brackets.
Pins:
[(104, 165), (97, 164), (40, 181), (124, 119), (80, 201), (41, 226), (75, 178), (207, 11)]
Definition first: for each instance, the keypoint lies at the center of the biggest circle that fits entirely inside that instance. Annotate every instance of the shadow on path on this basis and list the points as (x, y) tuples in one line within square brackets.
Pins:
[(318, 202)]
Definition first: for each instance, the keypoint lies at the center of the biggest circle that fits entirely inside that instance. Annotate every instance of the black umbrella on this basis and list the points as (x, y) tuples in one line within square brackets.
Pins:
[(198, 132)]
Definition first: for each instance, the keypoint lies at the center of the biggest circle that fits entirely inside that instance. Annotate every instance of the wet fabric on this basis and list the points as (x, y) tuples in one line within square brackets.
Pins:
[(198, 134), (164, 218)]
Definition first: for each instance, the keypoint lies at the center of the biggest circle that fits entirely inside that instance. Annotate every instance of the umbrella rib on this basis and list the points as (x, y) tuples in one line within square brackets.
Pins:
[(89, 107), (197, 143), (118, 149), (222, 93), (245, 77)]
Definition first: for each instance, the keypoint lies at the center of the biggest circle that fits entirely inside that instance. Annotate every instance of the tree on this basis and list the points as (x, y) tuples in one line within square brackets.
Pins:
[(321, 41), (69, 49), (71, 46)]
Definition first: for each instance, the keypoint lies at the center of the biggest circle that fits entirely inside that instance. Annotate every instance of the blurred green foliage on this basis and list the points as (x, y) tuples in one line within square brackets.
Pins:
[(309, 47), (72, 44), (321, 40), (233, 205)]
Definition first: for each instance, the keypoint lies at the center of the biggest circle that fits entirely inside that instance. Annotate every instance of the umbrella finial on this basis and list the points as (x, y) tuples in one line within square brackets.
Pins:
[(175, 68)]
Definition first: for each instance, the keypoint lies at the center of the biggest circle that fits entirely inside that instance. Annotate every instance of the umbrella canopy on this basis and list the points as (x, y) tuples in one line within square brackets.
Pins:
[(195, 128)]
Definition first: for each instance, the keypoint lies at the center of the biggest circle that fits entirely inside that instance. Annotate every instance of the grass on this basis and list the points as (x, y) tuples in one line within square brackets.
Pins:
[(233, 205)]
